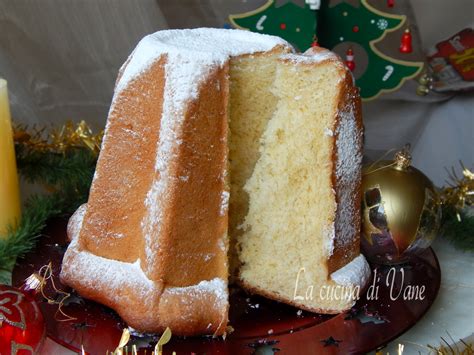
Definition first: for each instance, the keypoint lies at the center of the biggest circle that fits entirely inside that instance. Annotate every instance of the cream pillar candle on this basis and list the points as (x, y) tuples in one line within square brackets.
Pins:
[(9, 188)]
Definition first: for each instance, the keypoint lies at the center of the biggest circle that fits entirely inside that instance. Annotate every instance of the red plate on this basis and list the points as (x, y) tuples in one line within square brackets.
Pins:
[(258, 322)]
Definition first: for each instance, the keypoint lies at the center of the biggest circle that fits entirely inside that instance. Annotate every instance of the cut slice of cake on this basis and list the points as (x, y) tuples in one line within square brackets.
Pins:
[(251, 105), (300, 243)]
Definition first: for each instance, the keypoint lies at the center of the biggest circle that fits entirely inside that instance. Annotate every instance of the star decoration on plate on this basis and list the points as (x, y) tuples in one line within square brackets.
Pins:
[(331, 342), (375, 317), (365, 314), (82, 325), (74, 298)]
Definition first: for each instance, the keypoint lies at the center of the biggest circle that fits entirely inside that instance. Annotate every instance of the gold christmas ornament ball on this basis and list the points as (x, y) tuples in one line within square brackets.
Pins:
[(400, 210)]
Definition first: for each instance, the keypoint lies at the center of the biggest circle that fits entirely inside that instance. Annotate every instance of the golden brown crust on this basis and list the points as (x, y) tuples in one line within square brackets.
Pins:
[(116, 183), (195, 204), (344, 252), (189, 251)]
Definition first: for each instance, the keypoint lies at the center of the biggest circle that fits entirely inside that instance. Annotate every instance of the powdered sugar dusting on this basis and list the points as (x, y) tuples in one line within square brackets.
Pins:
[(94, 270), (312, 56), (75, 222), (208, 256), (221, 244), (348, 173), (208, 45), (216, 286), (329, 233), (138, 60), (304, 59), (224, 203), (328, 132), (356, 273)]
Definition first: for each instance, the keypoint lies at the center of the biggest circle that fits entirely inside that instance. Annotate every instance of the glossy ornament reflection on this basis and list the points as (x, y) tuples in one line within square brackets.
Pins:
[(400, 210)]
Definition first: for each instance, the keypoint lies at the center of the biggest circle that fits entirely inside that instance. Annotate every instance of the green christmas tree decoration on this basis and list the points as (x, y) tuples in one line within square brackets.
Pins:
[(295, 24), (345, 26)]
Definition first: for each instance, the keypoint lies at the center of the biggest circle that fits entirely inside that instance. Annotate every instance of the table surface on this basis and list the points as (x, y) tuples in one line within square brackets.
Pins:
[(451, 316)]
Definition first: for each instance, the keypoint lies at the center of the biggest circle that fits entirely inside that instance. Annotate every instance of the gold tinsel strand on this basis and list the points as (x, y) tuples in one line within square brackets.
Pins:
[(68, 137), (447, 347), (460, 191), (45, 277), (123, 349)]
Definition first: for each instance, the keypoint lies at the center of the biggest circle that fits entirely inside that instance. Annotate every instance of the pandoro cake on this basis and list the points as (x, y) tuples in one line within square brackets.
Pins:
[(222, 149)]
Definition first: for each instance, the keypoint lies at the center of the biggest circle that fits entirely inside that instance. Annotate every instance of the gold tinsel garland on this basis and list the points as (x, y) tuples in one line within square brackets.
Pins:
[(460, 191), (68, 137), (123, 348), (447, 347)]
